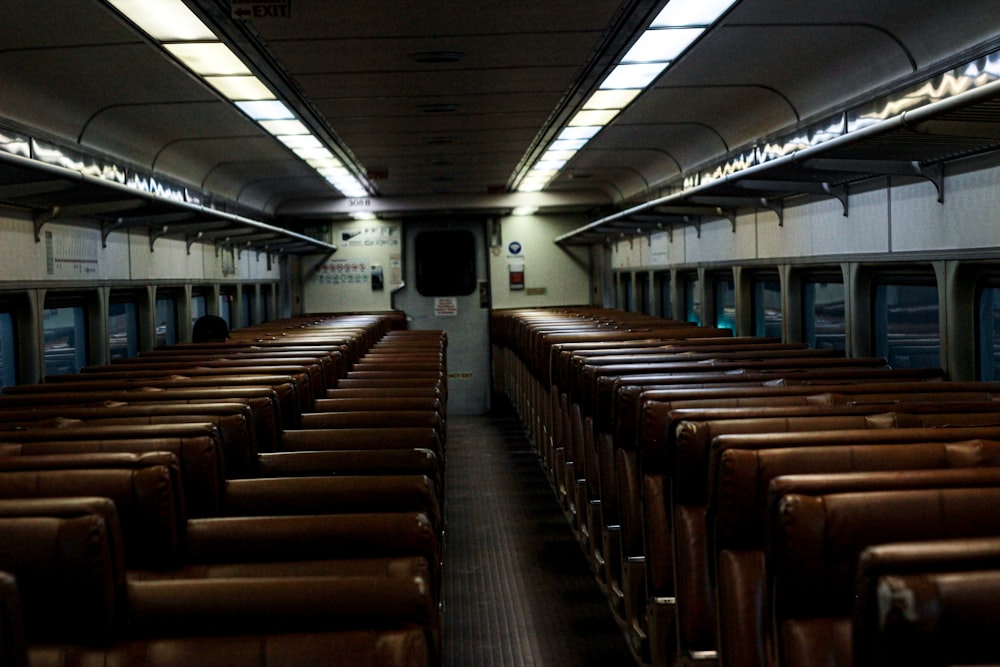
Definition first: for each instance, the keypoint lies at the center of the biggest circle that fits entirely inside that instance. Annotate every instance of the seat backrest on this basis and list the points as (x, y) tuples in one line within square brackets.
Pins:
[(936, 619), (65, 574), (903, 621), (12, 640), (821, 525), (145, 488), (199, 459)]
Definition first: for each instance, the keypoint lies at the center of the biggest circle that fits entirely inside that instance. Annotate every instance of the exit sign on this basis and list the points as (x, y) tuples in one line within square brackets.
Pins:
[(257, 9)]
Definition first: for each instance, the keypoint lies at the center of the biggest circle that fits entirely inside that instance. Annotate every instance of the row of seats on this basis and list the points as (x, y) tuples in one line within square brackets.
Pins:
[(275, 498), (748, 502)]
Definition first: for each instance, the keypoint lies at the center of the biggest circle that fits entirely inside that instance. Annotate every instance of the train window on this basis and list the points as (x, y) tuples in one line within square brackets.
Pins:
[(625, 290), (692, 298), (642, 292), (248, 303), (766, 303), (906, 324), (989, 332), (226, 297), (446, 263), (199, 306), (824, 321), (123, 329), (725, 302), (166, 320), (65, 330), (267, 303), (663, 287), (8, 350)]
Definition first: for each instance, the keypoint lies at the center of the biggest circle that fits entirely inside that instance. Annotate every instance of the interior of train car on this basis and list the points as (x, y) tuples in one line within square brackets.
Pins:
[(652, 333)]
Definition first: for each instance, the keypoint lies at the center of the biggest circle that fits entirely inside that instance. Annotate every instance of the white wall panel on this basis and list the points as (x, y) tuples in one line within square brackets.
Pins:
[(967, 218), (562, 273)]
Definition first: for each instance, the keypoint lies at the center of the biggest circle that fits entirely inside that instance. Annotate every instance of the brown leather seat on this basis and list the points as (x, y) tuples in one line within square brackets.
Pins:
[(932, 602), (80, 601), (812, 566), (147, 489), (737, 497)]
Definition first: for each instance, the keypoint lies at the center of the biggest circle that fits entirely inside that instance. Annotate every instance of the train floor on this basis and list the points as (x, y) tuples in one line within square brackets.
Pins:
[(517, 590)]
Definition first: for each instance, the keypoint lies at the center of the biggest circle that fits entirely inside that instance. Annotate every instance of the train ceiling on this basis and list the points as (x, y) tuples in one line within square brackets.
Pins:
[(443, 107)]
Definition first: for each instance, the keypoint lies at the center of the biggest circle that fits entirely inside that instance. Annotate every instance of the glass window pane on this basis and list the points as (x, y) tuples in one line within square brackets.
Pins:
[(65, 331), (267, 307), (248, 306), (625, 280), (642, 293), (725, 303), (123, 329), (445, 263), (823, 315), (199, 307), (226, 308), (767, 315), (906, 325), (666, 305), (692, 300), (989, 333), (166, 321), (8, 350)]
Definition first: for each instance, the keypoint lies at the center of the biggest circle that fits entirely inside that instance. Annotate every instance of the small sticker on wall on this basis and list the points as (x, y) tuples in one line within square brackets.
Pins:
[(445, 306)]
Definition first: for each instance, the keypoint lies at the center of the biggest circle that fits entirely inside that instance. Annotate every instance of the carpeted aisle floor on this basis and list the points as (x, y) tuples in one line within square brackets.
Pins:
[(517, 589)]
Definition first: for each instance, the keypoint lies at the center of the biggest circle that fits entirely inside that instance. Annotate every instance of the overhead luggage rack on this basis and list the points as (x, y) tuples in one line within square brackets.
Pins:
[(56, 183), (824, 159)]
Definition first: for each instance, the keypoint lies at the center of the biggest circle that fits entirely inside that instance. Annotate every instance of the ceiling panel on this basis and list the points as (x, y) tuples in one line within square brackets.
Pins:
[(73, 71)]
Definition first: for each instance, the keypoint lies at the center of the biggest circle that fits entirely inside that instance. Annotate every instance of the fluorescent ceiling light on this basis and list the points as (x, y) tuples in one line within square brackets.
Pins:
[(208, 58), (348, 188), (675, 28), (326, 163), (188, 39), (364, 215), (298, 141), (567, 144), (524, 210), (549, 165), (593, 117), (240, 87), (657, 46), (579, 132), (164, 20), (633, 76), (558, 155), (691, 12), (334, 172), (312, 153), (277, 127), (611, 99), (266, 110)]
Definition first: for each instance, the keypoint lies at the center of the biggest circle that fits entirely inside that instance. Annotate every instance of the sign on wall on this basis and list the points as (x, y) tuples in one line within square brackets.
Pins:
[(369, 236), (343, 272), (445, 306), (71, 253)]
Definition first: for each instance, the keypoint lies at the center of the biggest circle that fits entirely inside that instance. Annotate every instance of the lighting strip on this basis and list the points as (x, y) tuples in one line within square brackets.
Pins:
[(675, 28), (182, 34)]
